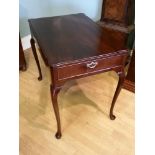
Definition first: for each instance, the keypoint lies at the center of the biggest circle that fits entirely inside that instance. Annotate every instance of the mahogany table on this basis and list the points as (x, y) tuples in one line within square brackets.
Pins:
[(73, 46)]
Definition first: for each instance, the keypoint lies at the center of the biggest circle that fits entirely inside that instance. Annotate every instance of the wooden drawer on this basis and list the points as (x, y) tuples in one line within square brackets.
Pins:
[(87, 67)]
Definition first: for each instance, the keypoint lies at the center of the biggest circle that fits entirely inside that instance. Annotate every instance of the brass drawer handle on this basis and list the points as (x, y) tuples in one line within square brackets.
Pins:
[(92, 64)]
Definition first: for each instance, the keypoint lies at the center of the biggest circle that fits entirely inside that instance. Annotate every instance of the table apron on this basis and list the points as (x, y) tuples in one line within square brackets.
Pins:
[(78, 70)]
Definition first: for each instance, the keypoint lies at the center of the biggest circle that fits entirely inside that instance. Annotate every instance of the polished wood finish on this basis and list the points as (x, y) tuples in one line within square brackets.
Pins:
[(22, 61), (84, 105), (129, 82), (73, 46), (120, 12), (74, 37)]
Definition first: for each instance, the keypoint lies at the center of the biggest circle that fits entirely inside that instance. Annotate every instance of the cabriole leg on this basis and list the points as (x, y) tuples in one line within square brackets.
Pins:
[(54, 96), (32, 41), (118, 89)]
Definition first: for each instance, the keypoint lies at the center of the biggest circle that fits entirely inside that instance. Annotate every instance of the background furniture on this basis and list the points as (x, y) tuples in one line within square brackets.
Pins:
[(120, 12), (22, 61), (129, 82), (73, 46), (119, 15)]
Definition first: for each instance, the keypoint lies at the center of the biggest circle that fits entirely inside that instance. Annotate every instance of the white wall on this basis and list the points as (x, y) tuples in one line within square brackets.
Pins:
[(41, 8)]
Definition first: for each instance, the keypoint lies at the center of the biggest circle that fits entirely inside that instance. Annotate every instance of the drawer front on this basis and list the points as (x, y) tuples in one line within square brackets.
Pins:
[(88, 67)]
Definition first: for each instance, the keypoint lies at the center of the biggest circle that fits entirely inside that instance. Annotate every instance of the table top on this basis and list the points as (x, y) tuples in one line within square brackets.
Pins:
[(74, 37)]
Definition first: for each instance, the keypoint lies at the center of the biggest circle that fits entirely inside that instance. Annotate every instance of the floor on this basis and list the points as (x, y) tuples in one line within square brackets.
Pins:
[(84, 108)]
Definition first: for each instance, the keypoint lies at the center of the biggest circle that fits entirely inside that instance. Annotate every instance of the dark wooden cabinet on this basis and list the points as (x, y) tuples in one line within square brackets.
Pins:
[(119, 15), (22, 61), (118, 11), (129, 82)]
